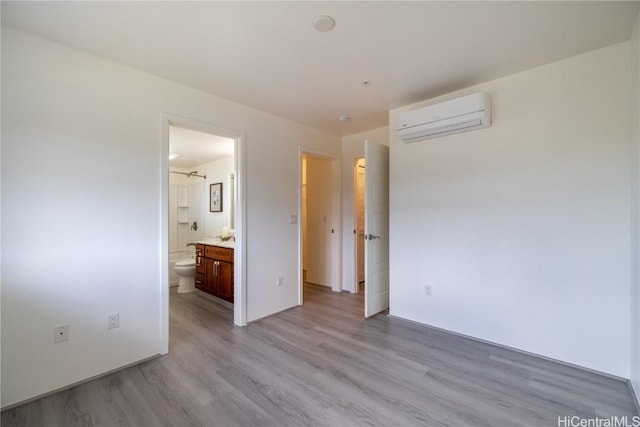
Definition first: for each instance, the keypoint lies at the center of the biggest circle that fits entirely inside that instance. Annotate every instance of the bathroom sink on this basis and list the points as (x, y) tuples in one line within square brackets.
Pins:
[(217, 242)]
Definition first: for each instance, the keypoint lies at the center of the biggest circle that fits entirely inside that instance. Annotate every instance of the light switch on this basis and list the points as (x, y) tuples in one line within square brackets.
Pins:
[(293, 219)]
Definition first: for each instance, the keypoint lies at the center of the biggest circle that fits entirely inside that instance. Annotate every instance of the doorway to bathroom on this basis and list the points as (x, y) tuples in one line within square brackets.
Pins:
[(202, 201), (198, 161)]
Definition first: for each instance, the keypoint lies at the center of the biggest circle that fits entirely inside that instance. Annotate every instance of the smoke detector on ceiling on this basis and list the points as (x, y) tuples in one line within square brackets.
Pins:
[(324, 23), (344, 118)]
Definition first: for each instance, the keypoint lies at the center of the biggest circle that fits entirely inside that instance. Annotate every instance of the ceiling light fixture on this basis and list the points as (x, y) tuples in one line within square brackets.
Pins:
[(324, 23), (344, 118), (173, 156)]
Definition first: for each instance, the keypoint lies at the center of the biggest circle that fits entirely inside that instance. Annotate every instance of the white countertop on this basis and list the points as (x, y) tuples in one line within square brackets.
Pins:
[(217, 242)]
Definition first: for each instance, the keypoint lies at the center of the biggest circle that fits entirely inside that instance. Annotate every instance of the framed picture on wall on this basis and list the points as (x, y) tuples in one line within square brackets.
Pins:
[(215, 197)]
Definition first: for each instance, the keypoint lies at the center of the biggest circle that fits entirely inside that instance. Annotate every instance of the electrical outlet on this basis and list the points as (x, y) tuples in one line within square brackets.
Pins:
[(427, 290), (280, 281), (113, 321), (61, 333)]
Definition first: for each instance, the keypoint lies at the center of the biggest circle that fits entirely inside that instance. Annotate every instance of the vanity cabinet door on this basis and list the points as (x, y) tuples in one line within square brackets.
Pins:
[(225, 281), (210, 282)]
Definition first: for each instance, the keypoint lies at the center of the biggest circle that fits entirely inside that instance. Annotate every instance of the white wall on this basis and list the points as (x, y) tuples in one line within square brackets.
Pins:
[(209, 223), (353, 149), (635, 208), (522, 229), (81, 229), (217, 171)]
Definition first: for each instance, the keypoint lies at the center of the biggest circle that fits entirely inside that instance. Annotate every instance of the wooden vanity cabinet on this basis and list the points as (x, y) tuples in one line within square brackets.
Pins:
[(214, 271)]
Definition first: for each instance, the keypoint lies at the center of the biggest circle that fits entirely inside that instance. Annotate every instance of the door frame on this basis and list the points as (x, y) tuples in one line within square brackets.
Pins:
[(336, 219), (240, 256)]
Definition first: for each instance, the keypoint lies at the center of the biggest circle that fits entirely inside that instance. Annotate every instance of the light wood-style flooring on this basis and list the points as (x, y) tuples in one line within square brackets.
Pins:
[(322, 364)]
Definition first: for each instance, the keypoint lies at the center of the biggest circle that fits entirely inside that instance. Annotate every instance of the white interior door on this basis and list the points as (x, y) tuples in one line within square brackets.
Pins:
[(376, 287), (360, 179)]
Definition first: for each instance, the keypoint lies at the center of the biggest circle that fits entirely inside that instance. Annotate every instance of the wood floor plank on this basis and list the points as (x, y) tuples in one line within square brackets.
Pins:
[(324, 364)]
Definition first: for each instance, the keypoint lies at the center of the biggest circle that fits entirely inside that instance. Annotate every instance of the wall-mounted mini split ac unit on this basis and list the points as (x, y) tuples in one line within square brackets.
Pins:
[(463, 114)]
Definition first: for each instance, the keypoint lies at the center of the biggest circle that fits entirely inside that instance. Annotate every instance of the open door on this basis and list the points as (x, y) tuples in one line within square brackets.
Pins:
[(376, 288), (359, 220)]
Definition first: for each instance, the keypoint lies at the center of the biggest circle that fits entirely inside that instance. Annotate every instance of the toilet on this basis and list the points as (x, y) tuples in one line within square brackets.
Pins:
[(186, 270)]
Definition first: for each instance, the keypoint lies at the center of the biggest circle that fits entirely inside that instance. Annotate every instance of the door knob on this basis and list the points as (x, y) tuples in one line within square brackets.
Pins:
[(371, 237)]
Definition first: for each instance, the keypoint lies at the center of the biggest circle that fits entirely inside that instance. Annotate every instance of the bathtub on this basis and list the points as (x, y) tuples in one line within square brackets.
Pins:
[(175, 256)]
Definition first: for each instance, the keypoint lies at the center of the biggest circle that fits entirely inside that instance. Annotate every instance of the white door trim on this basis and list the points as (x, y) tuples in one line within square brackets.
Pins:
[(336, 219), (240, 289)]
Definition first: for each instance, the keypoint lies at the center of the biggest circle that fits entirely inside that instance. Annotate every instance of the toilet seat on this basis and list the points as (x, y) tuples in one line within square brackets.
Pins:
[(186, 263)]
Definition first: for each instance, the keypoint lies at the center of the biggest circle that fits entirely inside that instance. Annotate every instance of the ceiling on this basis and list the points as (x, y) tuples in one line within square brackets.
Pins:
[(197, 148), (267, 54)]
